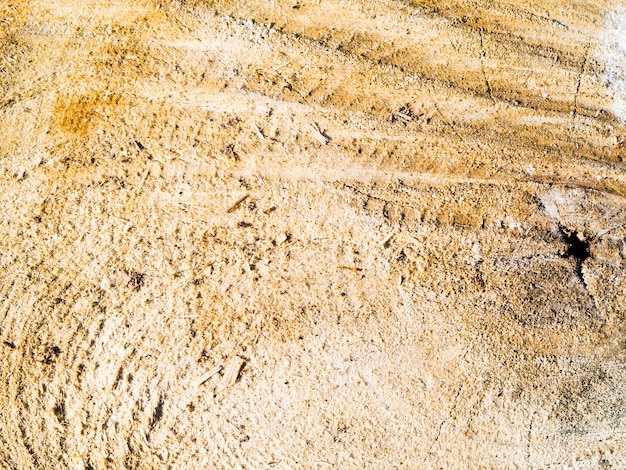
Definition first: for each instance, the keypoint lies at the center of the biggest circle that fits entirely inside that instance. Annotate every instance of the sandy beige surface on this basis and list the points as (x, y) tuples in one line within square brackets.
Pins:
[(312, 234)]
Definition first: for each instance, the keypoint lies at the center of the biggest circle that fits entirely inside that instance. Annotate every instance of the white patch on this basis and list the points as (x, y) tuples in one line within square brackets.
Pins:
[(613, 54), (551, 202)]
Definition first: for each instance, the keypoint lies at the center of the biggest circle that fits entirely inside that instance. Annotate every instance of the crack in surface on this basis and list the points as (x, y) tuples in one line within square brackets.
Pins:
[(579, 249), (482, 66), (580, 79), (443, 423)]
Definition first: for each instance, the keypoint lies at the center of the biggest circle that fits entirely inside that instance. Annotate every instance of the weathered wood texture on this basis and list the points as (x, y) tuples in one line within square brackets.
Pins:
[(427, 270)]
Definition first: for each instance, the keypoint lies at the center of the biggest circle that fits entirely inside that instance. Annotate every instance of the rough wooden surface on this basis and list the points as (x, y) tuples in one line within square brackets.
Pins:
[(312, 234)]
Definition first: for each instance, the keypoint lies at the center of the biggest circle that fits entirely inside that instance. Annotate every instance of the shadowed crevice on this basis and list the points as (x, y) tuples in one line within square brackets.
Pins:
[(578, 249)]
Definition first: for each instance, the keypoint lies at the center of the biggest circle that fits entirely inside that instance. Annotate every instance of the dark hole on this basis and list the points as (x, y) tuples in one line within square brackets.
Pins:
[(576, 247)]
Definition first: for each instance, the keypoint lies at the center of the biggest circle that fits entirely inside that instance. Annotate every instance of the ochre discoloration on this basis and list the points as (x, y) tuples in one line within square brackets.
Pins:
[(79, 115)]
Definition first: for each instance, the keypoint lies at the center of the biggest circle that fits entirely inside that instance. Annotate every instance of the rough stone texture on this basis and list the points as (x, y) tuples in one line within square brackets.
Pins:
[(440, 285)]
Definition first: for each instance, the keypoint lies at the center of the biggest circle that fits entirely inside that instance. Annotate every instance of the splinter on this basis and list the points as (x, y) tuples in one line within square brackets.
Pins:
[(237, 203)]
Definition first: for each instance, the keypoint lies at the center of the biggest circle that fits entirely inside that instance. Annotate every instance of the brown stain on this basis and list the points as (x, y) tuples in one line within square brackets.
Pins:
[(356, 94), (403, 56), (78, 116)]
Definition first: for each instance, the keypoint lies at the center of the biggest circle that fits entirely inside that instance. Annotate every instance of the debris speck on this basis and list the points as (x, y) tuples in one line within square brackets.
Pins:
[(258, 132), (231, 373), (404, 115), (385, 240), (237, 203), (206, 376), (318, 135), (143, 180)]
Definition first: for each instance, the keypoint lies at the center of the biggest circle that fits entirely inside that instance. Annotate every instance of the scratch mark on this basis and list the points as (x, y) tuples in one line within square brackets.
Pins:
[(158, 412), (483, 54), (371, 175), (580, 79), (529, 438), (443, 423)]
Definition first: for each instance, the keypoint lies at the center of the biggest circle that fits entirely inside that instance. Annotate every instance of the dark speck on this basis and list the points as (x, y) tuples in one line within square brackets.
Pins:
[(158, 412), (136, 280), (59, 411), (50, 354)]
